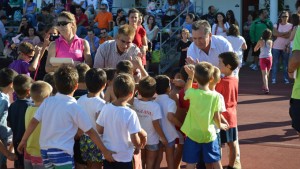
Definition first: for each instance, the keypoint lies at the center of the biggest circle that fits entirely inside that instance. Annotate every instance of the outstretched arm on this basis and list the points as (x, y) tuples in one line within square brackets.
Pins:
[(32, 125)]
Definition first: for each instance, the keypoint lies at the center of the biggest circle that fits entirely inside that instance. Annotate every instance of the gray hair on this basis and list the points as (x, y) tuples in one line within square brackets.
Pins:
[(203, 25)]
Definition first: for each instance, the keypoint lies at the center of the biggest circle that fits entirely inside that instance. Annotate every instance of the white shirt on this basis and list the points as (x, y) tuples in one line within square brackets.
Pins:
[(237, 43), (218, 45), (119, 122), (93, 3), (167, 105), (217, 30), (79, 1), (60, 118), (148, 111), (92, 106), (150, 33)]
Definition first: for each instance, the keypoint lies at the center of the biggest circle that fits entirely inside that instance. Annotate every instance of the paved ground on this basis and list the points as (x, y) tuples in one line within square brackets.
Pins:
[(267, 140)]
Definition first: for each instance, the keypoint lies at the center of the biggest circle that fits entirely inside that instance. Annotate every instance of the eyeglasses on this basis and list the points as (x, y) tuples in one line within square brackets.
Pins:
[(63, 23), (29, 56)]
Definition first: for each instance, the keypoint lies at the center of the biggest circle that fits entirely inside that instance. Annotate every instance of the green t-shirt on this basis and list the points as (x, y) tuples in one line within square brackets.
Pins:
[(296, 87), (198, 124), (33, 146)]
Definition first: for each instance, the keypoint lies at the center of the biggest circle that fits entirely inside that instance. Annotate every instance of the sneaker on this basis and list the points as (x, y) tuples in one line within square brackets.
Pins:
[(254, 67), (244, 64), (251, 66), (267, 91), (273, 81), (286, 81)]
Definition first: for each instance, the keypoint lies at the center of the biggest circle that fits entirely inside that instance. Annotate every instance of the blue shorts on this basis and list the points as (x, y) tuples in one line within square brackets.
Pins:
[(153, 147), (53, 158), (170, 144), (193, 150), (229, 135)]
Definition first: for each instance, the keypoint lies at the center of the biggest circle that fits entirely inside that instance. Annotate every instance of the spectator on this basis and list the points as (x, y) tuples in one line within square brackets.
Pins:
[(210, 16), (75, 3), (220, 27), (171, 9), (94, 42), (183, 46), (186, 7), (297, 5), (151, 30), (3, 33), (122, 21), (103, 19), (48, 19), (32, 37), (120, 14), (82, 22), (246, 35), (29, 10), (24, 27), (231, 18), (189, 19), (16, 5), (68, 45), (104, 36)]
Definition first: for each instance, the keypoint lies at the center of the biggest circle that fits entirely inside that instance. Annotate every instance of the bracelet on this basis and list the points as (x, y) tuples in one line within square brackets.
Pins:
[(189, 78)]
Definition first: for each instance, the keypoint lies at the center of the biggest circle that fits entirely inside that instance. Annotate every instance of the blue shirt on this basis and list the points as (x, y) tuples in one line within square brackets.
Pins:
[(4, 103), (96, 43)]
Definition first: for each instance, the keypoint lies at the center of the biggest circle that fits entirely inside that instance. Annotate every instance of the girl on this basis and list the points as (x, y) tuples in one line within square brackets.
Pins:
[(265, 58), (183, 46), (220, 27), (231, 18), (32, 37)]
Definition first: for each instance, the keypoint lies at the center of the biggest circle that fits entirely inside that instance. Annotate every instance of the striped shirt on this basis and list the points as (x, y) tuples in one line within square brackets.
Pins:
[(107, 55)]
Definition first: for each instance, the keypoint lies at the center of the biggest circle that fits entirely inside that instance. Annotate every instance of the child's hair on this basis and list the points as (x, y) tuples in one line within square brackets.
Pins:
[(49, 78), (147, 87), (203, 72), (162, 84), (295, 20), (233, 30), (95, 79), (82, 68), (22, 84), (40, 90), (216, 75), (185, 31), (192, 16), (123, 85), (230, 58), (184, 75), (26, 48), (125, 66), (66, 79), (267, 35), (110, 73), (7, 76)]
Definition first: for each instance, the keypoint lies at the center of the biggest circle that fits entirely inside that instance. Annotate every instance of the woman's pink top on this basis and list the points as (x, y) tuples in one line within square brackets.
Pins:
[(73, 50)]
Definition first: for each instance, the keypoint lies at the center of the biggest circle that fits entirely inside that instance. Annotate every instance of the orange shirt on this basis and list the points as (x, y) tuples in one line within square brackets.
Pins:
[(103, 19), (102, 40)]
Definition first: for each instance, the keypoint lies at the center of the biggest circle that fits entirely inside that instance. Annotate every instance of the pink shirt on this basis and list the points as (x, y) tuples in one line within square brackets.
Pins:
[(74, 50), (280, 42)]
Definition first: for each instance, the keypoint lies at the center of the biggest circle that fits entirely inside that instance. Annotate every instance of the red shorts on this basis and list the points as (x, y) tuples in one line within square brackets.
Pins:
[(265, 63)]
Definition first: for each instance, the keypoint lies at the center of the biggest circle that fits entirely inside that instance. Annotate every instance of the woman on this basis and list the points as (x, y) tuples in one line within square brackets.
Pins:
[(231, 18), (220, 27), (171, 9), (151, 29), (32, 37), (29, 11), (140, 38), (281, 31), (246, 35), (68, 45)]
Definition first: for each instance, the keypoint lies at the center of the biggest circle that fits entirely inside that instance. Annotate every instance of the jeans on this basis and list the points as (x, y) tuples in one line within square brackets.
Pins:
[(285, 58), (31, 18), (81, 30)]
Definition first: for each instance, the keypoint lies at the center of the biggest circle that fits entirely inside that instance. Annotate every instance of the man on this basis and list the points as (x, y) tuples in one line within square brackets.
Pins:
[(104, 36), (93, 42), (81, 21), (210, 16), (103, 18), (110, 53), (256, 29), (75, 3), (294, 72)]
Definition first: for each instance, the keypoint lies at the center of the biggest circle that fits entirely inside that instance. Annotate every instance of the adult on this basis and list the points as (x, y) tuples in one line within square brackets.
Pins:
[(210, 16), (94, 42), (171, 9), (231, 18), (110, 53), (151, 30), (29, 10), (186, 7), (48, 19), (75, 3), (32, 37), (82, 22), (256, 29), (220, 27), (246, 35), (120, 14), (24, 27), (140, 38), (16, 6), (68, 45), (4, 34), (103, 18), (297, 5), (104, 36), (281, 31)]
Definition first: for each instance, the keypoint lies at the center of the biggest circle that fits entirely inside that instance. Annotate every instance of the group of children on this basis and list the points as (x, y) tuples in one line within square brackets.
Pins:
[(117, 114)]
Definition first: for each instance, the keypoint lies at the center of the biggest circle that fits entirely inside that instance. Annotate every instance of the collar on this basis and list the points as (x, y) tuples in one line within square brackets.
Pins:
[(63, 96), (212, 42), (62, 39), (162, 96), (116, 49)]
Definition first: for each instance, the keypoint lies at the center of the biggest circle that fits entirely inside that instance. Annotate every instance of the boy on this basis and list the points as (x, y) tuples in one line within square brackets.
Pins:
[(120, 125), (32, 155), (168, 121), (16, 113), (149, 114), (199, 122), (6, 87), (61, 117), (95, 80), (228, 87)]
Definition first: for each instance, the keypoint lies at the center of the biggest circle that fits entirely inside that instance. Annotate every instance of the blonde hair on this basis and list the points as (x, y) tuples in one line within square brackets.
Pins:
[(216, 75), (40, 90), (186, 31), (71, 17), (126, 30)]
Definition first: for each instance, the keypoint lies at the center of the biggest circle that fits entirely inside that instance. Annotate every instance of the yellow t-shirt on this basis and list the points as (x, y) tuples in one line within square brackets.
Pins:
[(33, 145), (198, 124), (296, 87)]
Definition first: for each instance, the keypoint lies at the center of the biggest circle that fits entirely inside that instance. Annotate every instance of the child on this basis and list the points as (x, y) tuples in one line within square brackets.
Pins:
[(6, 87), (109, 96), (61, 117), (49, 78), (125, 124), (265, 57), (95, 80), (16, 113), (228, 87), (200, 119), (168, 121), (149, 114), (183, 46), (189, 19), (26, 53), (32, 155)]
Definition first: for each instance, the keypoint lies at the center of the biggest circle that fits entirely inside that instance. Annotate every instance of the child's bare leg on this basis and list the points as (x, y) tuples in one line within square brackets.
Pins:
[(190, 166), (232, 153), (143, 156), (94, 165), (159, 157), (178, 155), (265, 78), (151, 159), (170, 157)]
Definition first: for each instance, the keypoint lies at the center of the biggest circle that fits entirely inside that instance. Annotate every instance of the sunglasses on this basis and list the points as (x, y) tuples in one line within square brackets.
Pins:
[(284, 16), (102, 8), (29, 56), (63, 23)]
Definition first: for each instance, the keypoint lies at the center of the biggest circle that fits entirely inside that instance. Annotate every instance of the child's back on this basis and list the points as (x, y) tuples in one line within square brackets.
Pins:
[(266, 49)]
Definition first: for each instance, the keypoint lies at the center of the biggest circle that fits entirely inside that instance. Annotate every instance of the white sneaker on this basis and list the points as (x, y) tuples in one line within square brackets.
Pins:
[(251, 66), (286, 81), (273, 81), (254, 67)]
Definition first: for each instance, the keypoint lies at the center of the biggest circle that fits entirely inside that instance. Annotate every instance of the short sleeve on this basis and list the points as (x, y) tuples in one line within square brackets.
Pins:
[(188, 94), (39, 113), (172, 107), (142, 32), (101, 117), (134, 123), (296, 43), (81, 119), (222, 104), (157, 114)]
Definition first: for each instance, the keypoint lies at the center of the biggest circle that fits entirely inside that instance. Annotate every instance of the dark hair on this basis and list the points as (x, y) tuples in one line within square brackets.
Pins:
[(46, 8), (26, 48), (184, 75), (216, 17), (82, 68), (95, 79), (66, 79), (123, 85), (232, 19), (234, 30), (49, 78), (147, 87), (266, 35), (34, 31), (230, 58), (3, 17), (209, 8), (203, 72), (261, 11), (7, 76), (297, 4), (123, 18), (91, 30), (119, 11), (22, 84), (110, 73), (133, 10), (192, 16), (295, 20), (154, 22), (124, 66), (162, 84)]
